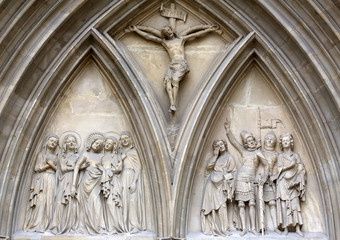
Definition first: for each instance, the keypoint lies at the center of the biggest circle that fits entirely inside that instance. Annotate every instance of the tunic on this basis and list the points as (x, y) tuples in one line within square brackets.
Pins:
[(90, 199), (269, 190), (292, 196), (42, 193), (133, 203), (218, 190), (245, 188), (112, 190), (66, 214)]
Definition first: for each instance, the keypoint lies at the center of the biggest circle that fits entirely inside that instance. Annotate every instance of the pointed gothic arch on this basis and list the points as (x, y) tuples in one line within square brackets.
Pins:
[(43, 43), (223, 82), (50, 92)]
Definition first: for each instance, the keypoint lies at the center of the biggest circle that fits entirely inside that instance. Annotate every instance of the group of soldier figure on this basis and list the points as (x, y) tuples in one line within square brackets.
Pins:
[(265, 177)]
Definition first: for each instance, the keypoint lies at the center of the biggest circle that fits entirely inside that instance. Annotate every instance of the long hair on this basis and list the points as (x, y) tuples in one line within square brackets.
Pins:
[(64, 143), (290, 138), (44, 147), (165, 29), (224, 142), (115, 147)]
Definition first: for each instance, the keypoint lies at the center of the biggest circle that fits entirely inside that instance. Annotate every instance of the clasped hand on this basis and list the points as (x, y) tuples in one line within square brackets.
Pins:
[(73, 191)]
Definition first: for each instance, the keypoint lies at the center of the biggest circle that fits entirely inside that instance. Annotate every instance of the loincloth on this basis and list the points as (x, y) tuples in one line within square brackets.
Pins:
[(176, 72)]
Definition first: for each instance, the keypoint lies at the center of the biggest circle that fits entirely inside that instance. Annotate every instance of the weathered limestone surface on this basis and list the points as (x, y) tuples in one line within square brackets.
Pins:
[(248, 109), (76, 66), (138, 236)]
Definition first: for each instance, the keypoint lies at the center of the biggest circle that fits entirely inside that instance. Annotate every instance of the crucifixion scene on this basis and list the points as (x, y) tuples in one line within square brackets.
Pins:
[(170, 120), (174, 43)]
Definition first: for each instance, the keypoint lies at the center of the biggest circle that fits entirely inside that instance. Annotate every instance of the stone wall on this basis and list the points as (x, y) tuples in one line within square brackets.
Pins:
[(76, 66)]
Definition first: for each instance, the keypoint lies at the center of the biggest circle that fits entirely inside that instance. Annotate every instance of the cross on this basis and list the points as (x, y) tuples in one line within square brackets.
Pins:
[(173, 14)]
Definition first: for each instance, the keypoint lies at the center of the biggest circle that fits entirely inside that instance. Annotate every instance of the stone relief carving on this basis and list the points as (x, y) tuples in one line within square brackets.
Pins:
[(174, 42), (43, 188), (265, 177), (65, 216), (291, 186), (269, 188), (133, 198), (246, 176), (91, 218), (219, 191), (99, 191), (111, 187)]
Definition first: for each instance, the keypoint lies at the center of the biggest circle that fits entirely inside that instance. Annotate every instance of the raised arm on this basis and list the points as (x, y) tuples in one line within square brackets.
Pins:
[(198, 31), (239, 147), (147, 33), (212, 161)]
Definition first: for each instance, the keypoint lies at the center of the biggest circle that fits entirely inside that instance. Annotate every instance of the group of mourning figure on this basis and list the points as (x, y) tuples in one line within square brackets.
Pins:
[(265, 177), (98, 191)]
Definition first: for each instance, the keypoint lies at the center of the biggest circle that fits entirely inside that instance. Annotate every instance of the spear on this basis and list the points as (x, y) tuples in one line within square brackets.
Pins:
[(260, 193), (259, 127)]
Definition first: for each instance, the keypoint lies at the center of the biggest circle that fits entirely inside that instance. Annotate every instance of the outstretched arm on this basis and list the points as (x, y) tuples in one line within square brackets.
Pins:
[(151, 30), (232, 139), (190, 30), (198, 31), (147, 32)]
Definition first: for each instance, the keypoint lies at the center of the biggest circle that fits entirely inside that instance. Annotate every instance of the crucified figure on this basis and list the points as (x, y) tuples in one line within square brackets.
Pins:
[(174, 45)]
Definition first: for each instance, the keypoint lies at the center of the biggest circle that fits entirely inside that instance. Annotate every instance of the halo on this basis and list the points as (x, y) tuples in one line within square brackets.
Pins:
[(61, 139), (49, 136), (44, 145), (91, 135), (113, 134)]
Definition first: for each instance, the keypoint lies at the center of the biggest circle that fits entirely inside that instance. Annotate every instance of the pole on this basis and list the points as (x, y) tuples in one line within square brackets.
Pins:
[(261, 208)]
